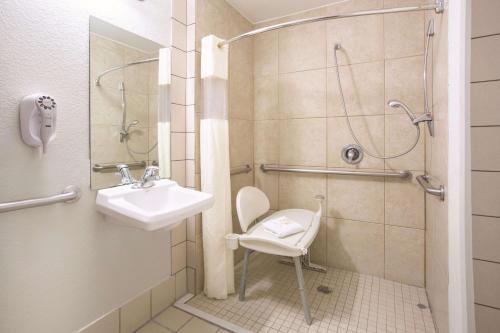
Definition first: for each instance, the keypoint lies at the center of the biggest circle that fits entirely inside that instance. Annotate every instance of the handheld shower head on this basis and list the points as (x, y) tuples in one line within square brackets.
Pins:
[(394, 103)]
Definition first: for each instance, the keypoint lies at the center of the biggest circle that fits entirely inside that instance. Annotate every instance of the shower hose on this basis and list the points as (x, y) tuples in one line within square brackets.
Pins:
[(366, 151)]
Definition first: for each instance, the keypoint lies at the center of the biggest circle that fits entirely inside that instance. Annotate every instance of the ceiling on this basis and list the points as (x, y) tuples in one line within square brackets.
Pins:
[(262, 10)]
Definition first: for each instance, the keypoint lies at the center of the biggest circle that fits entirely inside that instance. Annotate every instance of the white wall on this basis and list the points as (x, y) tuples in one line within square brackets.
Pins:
[(62, 266)]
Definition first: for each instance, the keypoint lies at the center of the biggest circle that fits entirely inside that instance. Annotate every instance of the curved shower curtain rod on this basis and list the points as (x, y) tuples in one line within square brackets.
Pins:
[(438, 6)]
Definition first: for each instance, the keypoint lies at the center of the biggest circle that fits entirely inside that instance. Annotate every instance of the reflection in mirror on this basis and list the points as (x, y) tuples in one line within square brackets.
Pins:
[(129, 104)]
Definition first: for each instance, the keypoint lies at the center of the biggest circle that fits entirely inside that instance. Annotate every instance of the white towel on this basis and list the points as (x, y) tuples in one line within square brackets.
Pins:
[(283, 227)]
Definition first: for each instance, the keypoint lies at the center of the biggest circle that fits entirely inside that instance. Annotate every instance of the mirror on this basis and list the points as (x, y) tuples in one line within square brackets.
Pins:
[(127, 105)]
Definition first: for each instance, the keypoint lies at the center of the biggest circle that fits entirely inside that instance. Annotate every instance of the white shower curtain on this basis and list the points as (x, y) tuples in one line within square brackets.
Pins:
[(163, 136), (215, 177)]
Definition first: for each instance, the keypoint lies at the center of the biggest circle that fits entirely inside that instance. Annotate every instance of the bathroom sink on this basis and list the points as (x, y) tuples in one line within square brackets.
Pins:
[(165, 204)]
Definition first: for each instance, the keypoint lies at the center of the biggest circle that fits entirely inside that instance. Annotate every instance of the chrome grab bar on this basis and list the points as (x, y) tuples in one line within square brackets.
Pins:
[(423, 180), (241, 169), (395, 174), (112, 166), (69, 194)]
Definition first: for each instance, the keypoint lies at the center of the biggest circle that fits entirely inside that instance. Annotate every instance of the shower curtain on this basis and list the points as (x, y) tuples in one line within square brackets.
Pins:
[(215, 177), (164, 112)]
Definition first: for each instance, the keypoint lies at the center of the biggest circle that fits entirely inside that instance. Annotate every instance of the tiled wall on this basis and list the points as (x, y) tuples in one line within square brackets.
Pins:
[(485, 135), (436, 240), (106, 110), (370, 225)]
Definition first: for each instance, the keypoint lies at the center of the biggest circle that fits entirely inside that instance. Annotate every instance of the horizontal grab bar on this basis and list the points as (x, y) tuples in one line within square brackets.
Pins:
[(241, 169), (423, 180), (112, 166), (395, 174), (70, 194)]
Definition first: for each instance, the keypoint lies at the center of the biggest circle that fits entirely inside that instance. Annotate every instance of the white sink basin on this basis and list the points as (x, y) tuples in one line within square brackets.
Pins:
[(165, 204)]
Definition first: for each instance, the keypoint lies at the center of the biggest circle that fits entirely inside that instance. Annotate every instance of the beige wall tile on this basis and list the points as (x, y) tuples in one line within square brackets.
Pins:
[(178, 118), (487, 319), (341, 7), (269, 184), (299, 190), (179, 10), (173, 318), (436, 156), (369, 131), (190, 174), (485, 236), (404, 255), (191, 228), (485, 58), (191, 280), (190, 146), (191, 119), (110, 323), (485, 155), (135, 313), (106, 146), (486, 193), (178, 257), (302, 94), (162, 296), (178, 90), (237, 182), (180, 284), (484, 99), (178, 146), (241, 55), (266, 54), (356, 246), (486, 287), (212, 18), (403, 81), (241, 142), (363, 88), (404, 203), (178, 233), (105, 105), (179, 34), (191, 254), (179, 62), (241, 95), (266, 141), (400, 134), (362, 39), (303, 142), (302, 47), (355, 198), (403, 35), (266, 98), (484, 20), (179, 172), (318, 249)]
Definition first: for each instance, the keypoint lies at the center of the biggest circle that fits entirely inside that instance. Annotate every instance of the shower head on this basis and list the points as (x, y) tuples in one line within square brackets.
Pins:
[(394, 103)]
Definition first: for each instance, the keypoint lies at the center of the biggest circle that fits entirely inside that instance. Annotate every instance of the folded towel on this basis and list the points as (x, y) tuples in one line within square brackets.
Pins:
[(283, 227)]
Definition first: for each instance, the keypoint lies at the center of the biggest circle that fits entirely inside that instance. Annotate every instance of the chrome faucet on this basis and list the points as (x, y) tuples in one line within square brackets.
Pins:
[(126, 177), (150, 175)]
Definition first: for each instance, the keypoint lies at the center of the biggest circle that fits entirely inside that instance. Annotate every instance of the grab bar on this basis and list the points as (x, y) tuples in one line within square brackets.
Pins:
[(241, 169), (423, 180), (112, 166), (69, 194), (395, 174)]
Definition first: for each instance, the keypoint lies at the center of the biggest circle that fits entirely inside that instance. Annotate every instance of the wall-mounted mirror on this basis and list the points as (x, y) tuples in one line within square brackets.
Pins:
[(128, 104)]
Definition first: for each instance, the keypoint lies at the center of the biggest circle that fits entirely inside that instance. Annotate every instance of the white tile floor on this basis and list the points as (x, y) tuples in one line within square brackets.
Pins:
[(357, 303), (174, 320)]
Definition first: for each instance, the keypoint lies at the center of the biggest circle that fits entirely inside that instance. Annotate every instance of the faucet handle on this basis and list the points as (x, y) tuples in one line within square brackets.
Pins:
[(151, 173), (124, 173)]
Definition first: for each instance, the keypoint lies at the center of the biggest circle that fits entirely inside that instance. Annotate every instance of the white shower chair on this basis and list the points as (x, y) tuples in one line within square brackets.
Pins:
[(252, 203)]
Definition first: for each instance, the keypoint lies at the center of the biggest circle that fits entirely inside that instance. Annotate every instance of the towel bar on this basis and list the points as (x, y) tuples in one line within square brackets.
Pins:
[(112, 166), (395, 174), (241, 169), (70, 194)]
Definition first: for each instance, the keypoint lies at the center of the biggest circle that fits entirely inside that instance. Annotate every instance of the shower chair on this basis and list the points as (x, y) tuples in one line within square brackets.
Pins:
[(251, 204)]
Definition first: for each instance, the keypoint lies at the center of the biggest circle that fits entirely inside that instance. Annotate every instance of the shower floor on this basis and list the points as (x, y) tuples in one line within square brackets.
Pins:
[(357, 302)]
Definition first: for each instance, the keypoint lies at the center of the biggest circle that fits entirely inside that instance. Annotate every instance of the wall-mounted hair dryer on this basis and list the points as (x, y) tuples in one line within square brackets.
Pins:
[(37, 114)]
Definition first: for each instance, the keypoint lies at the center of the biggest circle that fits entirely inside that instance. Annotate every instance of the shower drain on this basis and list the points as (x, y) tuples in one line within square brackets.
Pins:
[(324, 289)]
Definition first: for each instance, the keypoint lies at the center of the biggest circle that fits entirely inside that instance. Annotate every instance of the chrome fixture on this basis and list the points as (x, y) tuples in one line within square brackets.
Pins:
[(423, 180), (438, 6), (241, 169), (352, 154), (69, 194), (113, 166), (428, 112), (394, 174), (426, 117), (126, 176), (337, 47), (148, 178), (98, 79)]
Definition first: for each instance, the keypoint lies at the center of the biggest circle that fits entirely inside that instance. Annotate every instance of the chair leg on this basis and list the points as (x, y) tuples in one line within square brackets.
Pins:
[(302, 290), (243, 280)]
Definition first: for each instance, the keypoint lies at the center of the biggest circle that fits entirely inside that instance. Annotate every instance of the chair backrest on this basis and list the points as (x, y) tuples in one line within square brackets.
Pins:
[(251, 203)]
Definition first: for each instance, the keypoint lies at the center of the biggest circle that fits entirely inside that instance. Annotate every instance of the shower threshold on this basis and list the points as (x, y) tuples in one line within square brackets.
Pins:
[(355, 302)]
